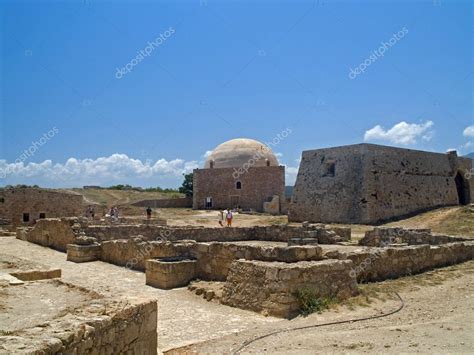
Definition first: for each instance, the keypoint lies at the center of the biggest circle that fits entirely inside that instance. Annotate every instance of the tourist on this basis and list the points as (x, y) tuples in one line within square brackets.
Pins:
[(148, 212), (229, 218)]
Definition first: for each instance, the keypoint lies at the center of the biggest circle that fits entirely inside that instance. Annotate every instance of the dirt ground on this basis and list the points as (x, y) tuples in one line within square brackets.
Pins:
[(33, 303)]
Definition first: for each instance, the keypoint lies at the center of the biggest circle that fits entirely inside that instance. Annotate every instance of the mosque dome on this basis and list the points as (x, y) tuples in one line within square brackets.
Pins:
[(237, 152)]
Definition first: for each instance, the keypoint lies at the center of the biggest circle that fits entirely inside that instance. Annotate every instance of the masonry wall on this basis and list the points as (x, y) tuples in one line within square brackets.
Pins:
[(213, 259), (259, 184), (270, 287), (401, 182), (15, 202), (201, 234), (129, 330), (320, 196), (54, 233), (370, 183), (377, 264), (182, 202)]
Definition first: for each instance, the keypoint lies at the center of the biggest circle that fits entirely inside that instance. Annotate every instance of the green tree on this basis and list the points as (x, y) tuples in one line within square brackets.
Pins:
[(187, 186)]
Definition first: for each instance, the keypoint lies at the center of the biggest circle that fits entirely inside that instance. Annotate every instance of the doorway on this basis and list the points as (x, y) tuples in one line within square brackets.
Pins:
[(235, 201), (463, 189)]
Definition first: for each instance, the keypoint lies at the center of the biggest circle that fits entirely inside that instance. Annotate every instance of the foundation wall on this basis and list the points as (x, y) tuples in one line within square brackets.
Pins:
[(213, 259), (270, 287), (377, 264), (132, 330), (160, 233), (54, 233)]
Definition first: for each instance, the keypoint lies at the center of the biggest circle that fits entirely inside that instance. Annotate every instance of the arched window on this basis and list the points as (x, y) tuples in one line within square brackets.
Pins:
[(238, 185)]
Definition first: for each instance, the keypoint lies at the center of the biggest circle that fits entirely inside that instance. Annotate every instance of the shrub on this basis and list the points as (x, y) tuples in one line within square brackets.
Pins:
[(309, 302)]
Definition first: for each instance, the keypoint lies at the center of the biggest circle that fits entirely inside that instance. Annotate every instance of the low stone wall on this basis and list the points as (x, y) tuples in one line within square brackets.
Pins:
[(83, 253), (131, 329), (377, 264), (182, 202), (381, 236), (270, 287), (213, 259), (170, 273), (53, 232), (199, 234)]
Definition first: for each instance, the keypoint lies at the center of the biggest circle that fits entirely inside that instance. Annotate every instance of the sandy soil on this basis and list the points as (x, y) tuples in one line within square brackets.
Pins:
[(33, 303)]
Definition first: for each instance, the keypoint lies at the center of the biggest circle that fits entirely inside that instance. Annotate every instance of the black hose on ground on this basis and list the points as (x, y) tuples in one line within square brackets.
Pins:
[(248, 342)]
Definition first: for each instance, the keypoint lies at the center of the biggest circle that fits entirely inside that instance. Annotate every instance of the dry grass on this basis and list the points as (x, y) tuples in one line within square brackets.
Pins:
[(118, 197), (449, 220), (385, 290)]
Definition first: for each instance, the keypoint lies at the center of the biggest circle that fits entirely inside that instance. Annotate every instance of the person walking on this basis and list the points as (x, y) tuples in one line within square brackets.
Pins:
[(148, 212), (229, 217)]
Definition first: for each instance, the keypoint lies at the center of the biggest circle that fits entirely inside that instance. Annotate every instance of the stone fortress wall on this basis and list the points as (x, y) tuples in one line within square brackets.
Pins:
[(367, 183), (258, 185), (16, 202)]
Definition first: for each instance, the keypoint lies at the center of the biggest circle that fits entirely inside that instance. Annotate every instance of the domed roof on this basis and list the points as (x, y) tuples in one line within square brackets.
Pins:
[(237, 152)]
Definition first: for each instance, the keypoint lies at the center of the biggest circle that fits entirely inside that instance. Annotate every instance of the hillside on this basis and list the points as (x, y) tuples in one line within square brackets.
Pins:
[(118, 197)]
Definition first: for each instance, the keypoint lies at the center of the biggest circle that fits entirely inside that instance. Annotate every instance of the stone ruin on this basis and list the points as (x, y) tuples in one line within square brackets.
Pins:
[(258, 268), (77, 321)]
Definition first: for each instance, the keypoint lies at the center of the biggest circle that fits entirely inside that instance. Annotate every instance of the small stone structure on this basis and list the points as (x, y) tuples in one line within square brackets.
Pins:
[(24, 205), (368, 183), (170, 272), (270, 287), (83, 253), (240, 173)]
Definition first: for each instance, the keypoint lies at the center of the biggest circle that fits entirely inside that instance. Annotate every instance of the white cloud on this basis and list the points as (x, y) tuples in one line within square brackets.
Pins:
[(103, 169), (401, 133), (468, 131), (278, 155), (206, 154)]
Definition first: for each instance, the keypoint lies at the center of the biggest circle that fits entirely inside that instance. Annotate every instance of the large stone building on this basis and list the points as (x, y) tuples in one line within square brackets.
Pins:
[(240, 173), (368, 183), (24, 205)]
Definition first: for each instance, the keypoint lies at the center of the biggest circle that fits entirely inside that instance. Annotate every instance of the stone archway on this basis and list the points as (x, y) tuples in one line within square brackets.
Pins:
[(463, 189)]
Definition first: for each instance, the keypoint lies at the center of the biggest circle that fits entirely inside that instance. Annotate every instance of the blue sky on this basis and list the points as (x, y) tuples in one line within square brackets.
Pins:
[(219, 70)]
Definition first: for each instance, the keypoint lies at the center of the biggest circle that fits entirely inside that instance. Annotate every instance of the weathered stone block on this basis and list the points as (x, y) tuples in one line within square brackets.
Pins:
[(170, 272), (83, 253), (270, 287)]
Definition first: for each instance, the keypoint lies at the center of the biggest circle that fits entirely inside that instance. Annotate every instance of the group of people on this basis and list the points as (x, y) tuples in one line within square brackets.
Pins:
[(228, 215)]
